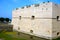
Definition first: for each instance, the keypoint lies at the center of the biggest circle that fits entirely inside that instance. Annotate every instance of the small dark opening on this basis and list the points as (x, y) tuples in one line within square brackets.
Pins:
[(22, 7), (18, 28), (28, 6), (48, 1), (46, 8), (57, 33), (19, 17), (16, 8), (18, 33), (31, 31), (43, 2), (31, 37), (57, 18), (36, 5), (33, 17)]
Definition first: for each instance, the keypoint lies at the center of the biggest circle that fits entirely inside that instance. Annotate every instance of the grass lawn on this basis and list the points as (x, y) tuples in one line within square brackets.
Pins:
[(14, 36), (57, 39), (9, 36)]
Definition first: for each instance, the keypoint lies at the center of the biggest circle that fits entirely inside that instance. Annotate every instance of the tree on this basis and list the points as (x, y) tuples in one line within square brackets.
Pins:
[(7, 19), (2, 19)]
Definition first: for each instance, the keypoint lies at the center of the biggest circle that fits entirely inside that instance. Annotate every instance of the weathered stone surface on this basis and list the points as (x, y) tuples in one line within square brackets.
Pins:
[(44, 24)]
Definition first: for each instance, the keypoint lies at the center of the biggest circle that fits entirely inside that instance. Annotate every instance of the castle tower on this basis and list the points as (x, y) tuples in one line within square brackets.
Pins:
[(42, 20)]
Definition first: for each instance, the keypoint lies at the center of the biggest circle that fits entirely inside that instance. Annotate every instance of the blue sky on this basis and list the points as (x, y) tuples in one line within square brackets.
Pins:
[(6, 6)]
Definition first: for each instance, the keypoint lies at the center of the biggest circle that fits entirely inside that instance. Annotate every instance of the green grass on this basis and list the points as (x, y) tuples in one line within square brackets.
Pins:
[(14, 36), (57, 38), (6, 36)]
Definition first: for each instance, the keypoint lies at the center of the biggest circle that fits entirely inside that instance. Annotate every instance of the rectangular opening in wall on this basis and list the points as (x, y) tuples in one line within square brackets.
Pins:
[(31, 31), (20, 17), (57, 18)]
